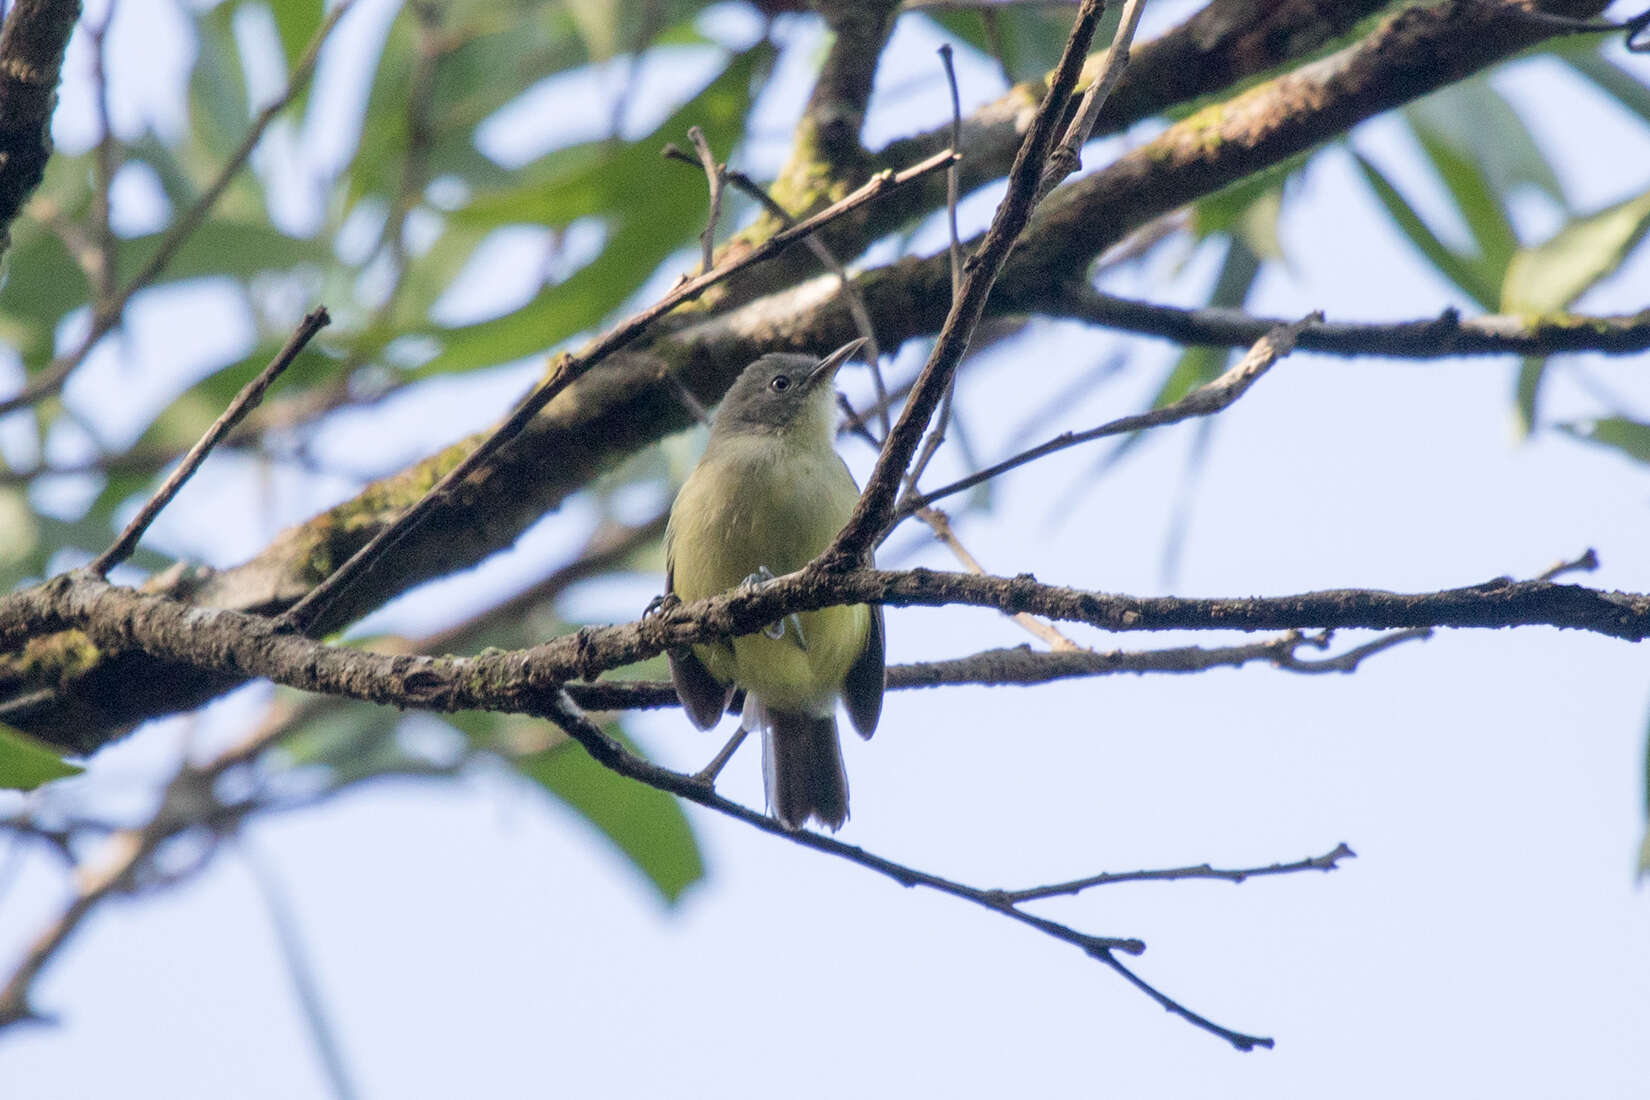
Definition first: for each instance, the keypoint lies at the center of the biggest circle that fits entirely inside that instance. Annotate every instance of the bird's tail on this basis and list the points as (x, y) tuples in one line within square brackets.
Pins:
[(801, 767)]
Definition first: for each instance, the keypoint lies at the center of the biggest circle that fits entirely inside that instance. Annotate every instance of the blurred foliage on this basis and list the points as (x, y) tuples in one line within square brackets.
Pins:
[(391, 229), (26, 763)]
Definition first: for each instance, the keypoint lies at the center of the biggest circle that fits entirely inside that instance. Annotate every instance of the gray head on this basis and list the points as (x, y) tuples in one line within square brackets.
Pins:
[(784, 393)]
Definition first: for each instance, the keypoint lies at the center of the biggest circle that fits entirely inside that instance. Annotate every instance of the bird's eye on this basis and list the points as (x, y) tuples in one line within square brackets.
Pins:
[(780, 383)]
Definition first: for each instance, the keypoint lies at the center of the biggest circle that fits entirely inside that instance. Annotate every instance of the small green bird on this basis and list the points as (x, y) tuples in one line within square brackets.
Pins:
[(768, 495)]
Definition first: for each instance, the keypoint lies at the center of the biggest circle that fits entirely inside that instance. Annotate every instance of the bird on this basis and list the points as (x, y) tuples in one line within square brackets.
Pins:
[(768, 495)]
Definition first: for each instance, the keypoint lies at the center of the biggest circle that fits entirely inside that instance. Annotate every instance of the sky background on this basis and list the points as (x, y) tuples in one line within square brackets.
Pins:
[(476, 939)]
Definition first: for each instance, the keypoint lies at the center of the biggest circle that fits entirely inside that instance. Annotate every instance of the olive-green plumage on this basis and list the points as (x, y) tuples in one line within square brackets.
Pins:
[(768, 495)]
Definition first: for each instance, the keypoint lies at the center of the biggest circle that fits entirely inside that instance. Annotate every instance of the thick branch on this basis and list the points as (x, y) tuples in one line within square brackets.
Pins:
[(228, 643), (31, 60)]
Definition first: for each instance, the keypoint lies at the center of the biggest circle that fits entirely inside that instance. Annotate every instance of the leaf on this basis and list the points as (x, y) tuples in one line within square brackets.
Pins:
[(1629, 437), (296, 21), (1610, 78), (26, 763), (646, 825), (1551, 276), (1024, 39), (1476, 200), (649, 215), (1458, 269), (223, 247), (1527, 392), (1200, 363), (1474, 117)]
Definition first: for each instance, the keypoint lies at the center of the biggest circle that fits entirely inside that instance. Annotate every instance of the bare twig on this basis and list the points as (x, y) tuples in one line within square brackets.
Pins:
[(936, 435), (1329, 861), (939, 523), (1586, 563), (244, 402), (827, 259), (108, 314), (568, 368), (103, 271), (873, 514), (713, 181), (613, 756), (1352, 658), (1068, 157), (1208, 399)]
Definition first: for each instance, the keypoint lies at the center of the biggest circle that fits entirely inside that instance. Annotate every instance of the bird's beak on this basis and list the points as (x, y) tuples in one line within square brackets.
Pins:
[(828, 366)]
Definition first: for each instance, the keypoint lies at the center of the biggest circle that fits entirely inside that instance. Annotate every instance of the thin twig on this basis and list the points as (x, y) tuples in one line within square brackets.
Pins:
[(567, 369), (106, 317), (936, 435), (1329, 861), (615, 757), (245, 401), (1208, 399), (714, 175), (103, 272), (874, 513), (846, 286), (1068, 157), (1352, 658), (940, 523), (1586, 563)]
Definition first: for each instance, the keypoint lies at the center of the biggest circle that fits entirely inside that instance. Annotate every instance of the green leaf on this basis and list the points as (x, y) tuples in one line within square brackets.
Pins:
[(649, 215), (1475, 198), (26, 763), (226, 248), (647, 825), (1644, 848), (1616, 432), (296, 21), (1025, 40), (1610, 78), (1201, 363), (1458, 269), (1550, 276), (1527, 393), (1473, 117)]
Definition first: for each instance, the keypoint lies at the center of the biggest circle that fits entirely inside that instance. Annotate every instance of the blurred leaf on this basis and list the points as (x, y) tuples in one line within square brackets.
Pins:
[(19, 538), (1473, 117), (296, 21), (1616, 432), (221, 247), (1551, 276), (1527, 392), (647, 826), (1200, 363), (1644, 848), (1458, 269), (652, 208), (1619, 84), (26, 763), (219, 110), (1025, 39), (1476, 199)]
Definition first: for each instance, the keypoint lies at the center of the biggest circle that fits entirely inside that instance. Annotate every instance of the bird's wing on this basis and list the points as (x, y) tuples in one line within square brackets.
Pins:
[(704, 699), (862, 687)]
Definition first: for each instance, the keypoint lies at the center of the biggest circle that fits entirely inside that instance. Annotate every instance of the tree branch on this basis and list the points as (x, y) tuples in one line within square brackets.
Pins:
[(1447, 334), (31, 61)]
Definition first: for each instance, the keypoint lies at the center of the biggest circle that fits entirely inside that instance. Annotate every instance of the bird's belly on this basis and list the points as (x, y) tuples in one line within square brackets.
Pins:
[(778, 522)]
